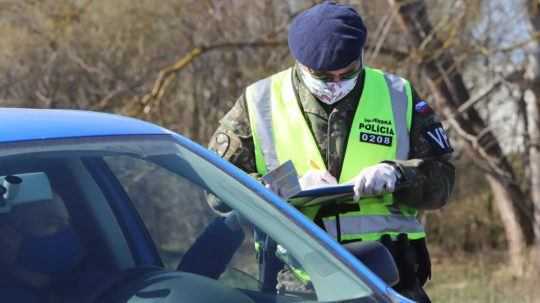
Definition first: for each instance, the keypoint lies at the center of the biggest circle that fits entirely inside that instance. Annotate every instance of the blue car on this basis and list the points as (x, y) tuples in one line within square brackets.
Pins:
[(97, 207)]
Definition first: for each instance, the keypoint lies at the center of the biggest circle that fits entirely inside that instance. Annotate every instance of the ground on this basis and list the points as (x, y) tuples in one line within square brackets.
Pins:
[(480, 278)]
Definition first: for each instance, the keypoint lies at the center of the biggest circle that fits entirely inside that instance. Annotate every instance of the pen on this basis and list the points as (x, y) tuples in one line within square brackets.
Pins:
[(314, 165), (323, 174)]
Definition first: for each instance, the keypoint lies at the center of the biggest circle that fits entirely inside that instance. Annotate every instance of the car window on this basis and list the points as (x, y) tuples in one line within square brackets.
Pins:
[(168, 204), (175, 212), (170, 185), (49, 238), (173, 208)]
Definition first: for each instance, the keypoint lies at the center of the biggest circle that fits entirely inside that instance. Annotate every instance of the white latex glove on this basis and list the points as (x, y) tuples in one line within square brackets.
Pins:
[(375, 180), (316, 178)]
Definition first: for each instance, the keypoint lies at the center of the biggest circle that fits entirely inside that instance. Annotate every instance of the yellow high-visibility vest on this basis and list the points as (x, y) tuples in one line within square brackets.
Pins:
[(380, 131)]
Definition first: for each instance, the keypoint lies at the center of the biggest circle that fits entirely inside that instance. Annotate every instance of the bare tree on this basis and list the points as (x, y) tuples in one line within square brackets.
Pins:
[(451, 94), (532, 99)]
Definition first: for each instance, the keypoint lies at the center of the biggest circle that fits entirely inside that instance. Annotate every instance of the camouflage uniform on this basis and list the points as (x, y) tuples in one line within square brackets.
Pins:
[(428, 171)]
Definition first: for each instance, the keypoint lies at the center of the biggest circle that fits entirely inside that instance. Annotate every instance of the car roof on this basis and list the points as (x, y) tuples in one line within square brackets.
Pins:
[(21, 124)]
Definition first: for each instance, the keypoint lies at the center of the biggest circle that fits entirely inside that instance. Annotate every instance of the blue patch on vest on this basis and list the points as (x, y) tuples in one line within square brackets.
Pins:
[(436, 136)]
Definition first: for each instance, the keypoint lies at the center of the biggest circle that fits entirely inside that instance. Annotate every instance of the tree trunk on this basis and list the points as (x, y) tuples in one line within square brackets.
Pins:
[(533, 115), (534, 158), (516, 243), (450, 93), (532, 99)]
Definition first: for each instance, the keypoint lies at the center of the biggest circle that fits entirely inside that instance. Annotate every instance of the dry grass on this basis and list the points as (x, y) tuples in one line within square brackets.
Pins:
[(480, 278)]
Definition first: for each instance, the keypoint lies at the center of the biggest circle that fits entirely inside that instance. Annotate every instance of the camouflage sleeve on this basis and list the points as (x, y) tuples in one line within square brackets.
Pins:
[(233, 142), (428, 172)]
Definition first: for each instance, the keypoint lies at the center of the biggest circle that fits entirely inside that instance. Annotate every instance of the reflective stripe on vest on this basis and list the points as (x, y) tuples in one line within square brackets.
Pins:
[(352, 225), (258, 96), (281, 132)]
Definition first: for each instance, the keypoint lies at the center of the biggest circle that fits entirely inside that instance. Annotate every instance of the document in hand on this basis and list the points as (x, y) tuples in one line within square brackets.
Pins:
[(284, 181)]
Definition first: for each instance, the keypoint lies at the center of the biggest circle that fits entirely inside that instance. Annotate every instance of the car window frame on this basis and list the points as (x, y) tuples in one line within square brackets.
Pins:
[(140, 242)]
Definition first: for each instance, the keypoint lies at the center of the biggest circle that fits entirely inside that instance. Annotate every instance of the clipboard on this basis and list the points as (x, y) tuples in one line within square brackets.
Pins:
[(341, 193), (322, 195), (284, 180)]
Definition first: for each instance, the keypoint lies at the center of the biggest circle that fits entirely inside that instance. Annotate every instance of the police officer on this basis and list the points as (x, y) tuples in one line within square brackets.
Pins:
[(341, 121)]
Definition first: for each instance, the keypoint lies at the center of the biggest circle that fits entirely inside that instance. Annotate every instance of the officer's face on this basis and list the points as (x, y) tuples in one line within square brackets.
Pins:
[(346, 73)]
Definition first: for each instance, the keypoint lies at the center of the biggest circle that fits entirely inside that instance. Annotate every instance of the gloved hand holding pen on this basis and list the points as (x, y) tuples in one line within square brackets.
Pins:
[(316, 177)]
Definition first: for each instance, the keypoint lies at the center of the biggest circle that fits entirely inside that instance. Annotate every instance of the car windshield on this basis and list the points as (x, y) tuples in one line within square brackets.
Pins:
[(98, 206)]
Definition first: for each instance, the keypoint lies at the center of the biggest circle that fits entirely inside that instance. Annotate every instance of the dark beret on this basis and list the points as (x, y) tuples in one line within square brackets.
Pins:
[(327, 37)]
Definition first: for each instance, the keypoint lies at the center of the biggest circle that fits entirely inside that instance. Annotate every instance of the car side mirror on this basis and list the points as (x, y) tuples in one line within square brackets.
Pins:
[(377, 258)]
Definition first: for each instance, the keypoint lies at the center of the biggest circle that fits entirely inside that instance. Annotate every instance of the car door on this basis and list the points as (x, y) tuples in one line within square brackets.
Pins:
[(145, 199)]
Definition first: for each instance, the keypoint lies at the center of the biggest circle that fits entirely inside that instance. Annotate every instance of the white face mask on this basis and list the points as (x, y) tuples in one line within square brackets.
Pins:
[(327, 92)]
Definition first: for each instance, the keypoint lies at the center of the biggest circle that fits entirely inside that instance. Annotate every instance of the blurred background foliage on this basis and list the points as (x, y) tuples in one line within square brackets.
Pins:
[(183, 63)]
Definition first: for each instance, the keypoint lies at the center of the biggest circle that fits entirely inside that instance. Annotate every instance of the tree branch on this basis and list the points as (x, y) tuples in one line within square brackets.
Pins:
[(481, 96), (167, 74)]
